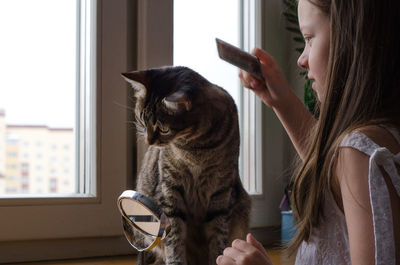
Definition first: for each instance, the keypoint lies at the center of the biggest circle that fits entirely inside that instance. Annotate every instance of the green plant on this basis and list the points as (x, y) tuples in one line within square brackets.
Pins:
[(291, 16)]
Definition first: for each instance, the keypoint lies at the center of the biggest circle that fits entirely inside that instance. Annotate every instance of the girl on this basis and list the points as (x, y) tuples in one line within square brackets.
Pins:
[(346, 194)]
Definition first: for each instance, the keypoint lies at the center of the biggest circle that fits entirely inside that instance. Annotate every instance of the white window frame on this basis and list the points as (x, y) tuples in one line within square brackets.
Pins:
[(84, 225), (86, 130), (250, 105), (253, 165)]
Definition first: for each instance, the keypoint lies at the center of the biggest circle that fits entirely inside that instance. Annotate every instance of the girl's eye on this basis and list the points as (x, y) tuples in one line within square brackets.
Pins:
[(307, 39)]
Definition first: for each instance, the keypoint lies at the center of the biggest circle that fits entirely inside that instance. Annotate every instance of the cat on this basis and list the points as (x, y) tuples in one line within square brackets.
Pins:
[(191, 166)]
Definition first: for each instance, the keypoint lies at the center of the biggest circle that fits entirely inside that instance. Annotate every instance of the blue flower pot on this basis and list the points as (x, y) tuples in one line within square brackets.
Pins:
[(288, 228)]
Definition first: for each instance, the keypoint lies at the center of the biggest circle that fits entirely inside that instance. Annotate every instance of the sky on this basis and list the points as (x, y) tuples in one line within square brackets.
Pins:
[(38, 54), (196, 26), (37, 62)]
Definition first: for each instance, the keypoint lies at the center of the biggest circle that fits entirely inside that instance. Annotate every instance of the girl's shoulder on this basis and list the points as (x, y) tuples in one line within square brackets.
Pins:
[(386, 136), (356, 147)]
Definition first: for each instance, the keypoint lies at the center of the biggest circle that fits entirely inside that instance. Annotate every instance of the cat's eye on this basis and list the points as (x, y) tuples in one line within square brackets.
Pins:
[(163, 129)]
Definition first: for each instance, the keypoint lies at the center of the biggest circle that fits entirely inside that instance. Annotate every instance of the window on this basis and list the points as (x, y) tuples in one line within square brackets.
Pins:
[(39, 50), (63, 223), (53, 184)]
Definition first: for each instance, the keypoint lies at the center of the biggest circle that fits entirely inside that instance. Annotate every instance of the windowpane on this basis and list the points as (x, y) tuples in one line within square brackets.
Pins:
[(196, 25), (38, 96)]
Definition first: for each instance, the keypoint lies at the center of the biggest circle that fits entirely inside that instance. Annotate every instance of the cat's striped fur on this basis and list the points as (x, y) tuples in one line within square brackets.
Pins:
[(191, 167)]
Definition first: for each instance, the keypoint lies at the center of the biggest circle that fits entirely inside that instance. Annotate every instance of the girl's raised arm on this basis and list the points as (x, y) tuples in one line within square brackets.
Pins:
[(276, 94)]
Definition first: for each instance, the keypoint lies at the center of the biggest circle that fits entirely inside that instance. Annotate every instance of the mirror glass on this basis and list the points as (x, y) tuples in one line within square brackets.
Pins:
[(138, 240), (141, 216), (144, 223)]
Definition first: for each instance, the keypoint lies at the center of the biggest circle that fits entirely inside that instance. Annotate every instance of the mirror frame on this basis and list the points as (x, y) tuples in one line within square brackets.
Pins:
[(150, 206)]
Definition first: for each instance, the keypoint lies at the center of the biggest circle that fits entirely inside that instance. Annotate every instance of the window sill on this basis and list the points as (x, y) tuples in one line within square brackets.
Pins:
[(64, 250), (116, 260), (275, 256)]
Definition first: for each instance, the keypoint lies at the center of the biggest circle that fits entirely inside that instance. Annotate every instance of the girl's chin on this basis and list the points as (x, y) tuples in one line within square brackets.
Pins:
[(314, 87)]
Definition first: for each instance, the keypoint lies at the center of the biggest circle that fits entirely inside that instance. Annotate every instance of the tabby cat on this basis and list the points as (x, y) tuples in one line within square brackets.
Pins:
[(191, 166)]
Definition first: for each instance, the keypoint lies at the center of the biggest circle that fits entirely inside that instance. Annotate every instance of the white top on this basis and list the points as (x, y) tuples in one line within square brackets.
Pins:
[(329, 244)]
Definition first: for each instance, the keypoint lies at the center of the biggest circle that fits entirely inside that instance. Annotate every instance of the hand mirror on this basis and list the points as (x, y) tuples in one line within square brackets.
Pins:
[(144, 223)]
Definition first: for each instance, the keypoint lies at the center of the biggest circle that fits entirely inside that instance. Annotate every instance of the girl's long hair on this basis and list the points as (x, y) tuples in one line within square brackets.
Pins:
[(362, 88)]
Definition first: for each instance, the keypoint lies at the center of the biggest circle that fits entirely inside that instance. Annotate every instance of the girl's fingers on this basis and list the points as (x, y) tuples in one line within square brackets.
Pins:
[(242, 246), (232, 252), (244, 253), (257, 85), (225, 260), (249, 81), (269, 66), (264, 57), (243, 80), (250, 239), (250, 246)]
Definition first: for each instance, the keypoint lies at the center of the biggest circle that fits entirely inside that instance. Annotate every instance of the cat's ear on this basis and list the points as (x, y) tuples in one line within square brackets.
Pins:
[(138, 80), (178, 102)]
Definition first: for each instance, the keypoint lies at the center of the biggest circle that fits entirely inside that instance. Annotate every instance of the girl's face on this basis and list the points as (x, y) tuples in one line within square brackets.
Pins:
[(314, 25)]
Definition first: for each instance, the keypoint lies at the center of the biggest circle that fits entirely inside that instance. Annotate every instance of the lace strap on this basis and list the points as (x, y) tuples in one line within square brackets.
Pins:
[(360, 142), (381, 205)]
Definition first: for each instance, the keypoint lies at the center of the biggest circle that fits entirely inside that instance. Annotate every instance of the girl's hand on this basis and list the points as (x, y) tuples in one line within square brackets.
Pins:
[(275, 88), (249, 252)]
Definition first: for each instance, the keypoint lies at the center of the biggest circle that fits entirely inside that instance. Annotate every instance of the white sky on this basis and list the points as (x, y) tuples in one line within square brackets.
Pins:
[(38, 54), (196, 26), (37, 61)]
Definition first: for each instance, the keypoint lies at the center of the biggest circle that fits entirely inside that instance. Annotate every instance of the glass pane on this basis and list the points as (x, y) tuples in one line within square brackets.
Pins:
[(196, 25), (38, 76)]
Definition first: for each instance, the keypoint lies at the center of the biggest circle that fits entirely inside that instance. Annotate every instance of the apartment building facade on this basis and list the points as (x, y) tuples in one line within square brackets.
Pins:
[(36, 159)]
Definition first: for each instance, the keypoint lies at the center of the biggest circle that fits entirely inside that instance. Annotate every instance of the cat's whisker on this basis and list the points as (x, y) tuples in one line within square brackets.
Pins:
[(123, 106)]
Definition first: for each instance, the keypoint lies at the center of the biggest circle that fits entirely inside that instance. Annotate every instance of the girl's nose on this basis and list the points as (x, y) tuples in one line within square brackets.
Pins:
[(303, 61)]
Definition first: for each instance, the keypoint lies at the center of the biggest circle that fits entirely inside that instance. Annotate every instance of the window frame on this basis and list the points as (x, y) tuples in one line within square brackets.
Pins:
[(251, 105), (82, 226), (85, 132)]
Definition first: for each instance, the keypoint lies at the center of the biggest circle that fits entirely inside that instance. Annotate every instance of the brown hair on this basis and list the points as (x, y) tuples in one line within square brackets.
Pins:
[(362, 88)]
